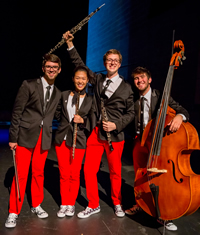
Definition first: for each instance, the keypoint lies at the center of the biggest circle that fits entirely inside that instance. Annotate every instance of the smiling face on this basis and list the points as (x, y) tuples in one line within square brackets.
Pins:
[(51, 71), (112, 64), (142, 82), (80, 80)]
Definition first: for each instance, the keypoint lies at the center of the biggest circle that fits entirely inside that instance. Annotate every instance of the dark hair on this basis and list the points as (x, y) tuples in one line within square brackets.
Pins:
[(52, 58), (84, 69), (140, 70), (112, 51)]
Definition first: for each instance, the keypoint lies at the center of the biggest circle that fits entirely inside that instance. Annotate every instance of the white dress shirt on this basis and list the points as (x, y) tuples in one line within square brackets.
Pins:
[(71, 110), (147, 105), (45, 85), (116, 81)]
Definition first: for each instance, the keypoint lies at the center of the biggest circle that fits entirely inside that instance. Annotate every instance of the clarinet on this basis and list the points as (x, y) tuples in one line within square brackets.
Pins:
[(105, 119), (75, 29), (75, 127)]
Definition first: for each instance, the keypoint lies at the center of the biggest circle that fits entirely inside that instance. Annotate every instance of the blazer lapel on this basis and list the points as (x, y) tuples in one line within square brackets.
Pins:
[(52, 99), (136, 107), (64, 103), (119, 89), (41, 92), (154, 103), (100, 88), (87, 101)]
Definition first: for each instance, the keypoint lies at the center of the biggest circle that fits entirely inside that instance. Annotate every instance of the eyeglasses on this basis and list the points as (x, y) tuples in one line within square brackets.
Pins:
[(48, 67), (111, 60)]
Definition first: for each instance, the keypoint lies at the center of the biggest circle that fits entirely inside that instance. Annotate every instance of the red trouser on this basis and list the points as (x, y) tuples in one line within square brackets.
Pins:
[(94, 151), (69, 172), (23, 159), (140, 155)]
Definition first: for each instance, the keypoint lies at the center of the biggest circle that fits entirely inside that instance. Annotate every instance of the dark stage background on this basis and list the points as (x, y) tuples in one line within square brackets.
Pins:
[(29, 30), (141, 30)]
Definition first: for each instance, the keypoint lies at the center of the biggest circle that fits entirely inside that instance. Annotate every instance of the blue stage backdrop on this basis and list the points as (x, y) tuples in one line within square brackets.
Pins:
[(142, 31), (108, 29)]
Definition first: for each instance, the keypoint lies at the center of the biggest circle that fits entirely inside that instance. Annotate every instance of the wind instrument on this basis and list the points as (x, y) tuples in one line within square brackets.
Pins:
[(75, 127), (76, 28), (16, 176), (105, 118)]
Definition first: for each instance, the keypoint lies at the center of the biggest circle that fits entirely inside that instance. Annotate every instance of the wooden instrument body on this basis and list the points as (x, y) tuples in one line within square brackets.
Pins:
[(179, 191)]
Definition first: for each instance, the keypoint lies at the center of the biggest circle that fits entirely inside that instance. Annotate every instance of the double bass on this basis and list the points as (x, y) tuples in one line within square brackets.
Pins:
[(167, 188)]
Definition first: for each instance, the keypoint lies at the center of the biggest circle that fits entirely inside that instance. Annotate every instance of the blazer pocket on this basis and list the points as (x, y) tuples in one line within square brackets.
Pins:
[(24, 124)]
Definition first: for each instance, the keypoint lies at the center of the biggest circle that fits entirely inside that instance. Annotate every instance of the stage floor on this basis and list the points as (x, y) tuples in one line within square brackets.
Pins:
[(103, 223)]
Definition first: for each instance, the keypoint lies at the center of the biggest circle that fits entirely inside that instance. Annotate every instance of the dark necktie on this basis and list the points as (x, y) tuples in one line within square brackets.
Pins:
[(46, 99), (103, 95), (141, 116), (74, 99)]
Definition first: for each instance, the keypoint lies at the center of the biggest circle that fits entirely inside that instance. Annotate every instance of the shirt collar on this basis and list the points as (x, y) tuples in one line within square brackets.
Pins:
[(114, 79), (45, 83), (148, 95)]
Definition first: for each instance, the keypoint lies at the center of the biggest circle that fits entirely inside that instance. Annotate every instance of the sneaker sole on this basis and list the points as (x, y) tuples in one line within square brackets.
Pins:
[(69, 214), (42, 217), (168, 228), (10, 226), (61, 216), (86, 216), (171, 229), (120, 215)]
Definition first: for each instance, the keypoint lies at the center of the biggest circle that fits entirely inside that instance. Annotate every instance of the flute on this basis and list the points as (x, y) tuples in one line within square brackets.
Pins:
[(105, 118), (76, 28), (75, 127)]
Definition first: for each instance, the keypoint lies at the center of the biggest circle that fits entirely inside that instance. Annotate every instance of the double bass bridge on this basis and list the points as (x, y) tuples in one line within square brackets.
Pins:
[(156, 170)]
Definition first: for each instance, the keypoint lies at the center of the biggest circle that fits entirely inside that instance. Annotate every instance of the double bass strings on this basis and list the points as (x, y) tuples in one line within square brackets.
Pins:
[(160, 122)]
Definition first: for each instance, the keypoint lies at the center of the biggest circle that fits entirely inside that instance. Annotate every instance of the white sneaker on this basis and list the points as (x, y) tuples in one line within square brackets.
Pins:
[(118, 211), (169, 225), (70, 211), (88, 212), (39, 212), (11, 220), (61, 212)]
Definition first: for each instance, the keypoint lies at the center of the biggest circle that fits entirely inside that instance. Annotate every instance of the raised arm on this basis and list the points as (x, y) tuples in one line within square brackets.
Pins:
[(74, 55)]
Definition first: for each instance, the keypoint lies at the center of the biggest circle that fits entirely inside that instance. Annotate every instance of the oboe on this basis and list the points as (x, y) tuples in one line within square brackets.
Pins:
[(75, 29), (75, 127), (105, 118)]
